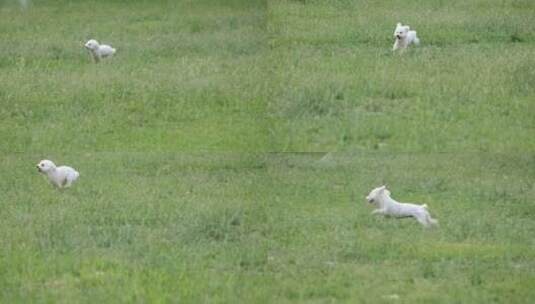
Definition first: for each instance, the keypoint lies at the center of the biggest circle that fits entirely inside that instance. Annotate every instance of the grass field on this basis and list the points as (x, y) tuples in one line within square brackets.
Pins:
[(226, 150)]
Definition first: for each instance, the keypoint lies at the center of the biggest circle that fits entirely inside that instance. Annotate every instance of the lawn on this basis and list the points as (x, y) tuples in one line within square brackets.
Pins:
[(226, 150)]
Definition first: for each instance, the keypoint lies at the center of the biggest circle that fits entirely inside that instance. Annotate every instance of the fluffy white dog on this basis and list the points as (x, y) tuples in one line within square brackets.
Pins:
[(389, 207), (99, 51), (61, 177), (404, 37)]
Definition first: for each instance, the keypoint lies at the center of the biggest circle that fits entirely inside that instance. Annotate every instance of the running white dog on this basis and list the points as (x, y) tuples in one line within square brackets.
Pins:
[(62, 176), (404, 37), (389, 207), (99, 51)]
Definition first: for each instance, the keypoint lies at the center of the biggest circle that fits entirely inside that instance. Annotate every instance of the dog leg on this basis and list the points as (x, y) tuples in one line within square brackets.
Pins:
[(96, 58), (422, 219), (431, 220), (378, 211)]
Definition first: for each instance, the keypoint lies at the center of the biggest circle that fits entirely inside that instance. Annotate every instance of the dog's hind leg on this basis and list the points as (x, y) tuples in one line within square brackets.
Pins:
[(422, 219), (431, 220)]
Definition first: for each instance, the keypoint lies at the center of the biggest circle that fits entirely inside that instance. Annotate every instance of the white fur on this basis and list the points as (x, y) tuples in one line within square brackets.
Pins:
[(62, 176), (404, 37), (24, 3), (99, 51), (388, 206)]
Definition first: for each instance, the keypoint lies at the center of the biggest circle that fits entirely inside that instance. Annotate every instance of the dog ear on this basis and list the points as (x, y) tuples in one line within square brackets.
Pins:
[(407, 28), (399, 24)]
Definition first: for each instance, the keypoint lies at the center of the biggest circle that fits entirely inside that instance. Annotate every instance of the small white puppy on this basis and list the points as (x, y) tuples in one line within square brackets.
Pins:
[(99, 51), (387, 206), (404, 37), (61, 177)]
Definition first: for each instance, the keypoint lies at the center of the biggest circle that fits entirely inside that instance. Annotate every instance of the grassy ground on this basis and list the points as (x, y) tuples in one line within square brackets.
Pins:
[(226, 150), (470, 86), (180, 80)]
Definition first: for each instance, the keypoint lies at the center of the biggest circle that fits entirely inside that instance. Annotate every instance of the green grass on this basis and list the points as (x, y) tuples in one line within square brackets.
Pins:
[(180, 80), (226, 150), (340, 88)]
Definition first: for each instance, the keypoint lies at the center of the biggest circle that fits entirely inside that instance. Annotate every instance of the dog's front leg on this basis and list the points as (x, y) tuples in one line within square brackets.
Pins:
[(378, 211), (96, 58)]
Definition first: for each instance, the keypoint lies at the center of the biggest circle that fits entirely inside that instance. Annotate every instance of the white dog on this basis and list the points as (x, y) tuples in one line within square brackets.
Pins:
[(387, 206), (61, 177), (404, 37), (99, 51)]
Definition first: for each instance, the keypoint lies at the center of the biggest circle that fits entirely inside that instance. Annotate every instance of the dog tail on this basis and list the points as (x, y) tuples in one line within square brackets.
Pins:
[(424, 206)]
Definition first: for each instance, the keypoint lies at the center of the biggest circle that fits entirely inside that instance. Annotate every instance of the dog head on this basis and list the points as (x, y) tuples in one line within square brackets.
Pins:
[(91, 45), (401, 31), (45, 166), (376, 193)]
